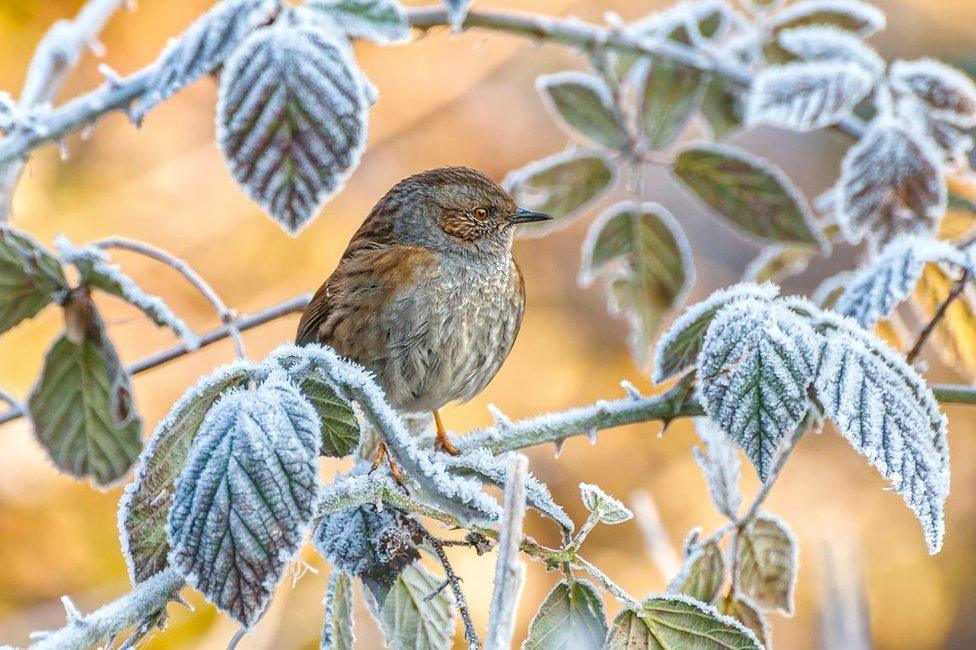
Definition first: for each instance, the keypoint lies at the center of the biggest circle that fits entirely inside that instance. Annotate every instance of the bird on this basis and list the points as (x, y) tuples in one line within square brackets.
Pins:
[(427, 295)]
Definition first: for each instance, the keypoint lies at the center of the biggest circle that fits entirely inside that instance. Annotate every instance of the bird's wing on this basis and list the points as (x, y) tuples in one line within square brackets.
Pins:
[(347, 311)]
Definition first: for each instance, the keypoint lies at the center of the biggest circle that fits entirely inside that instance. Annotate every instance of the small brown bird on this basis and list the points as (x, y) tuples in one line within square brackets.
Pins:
[(427, 295)]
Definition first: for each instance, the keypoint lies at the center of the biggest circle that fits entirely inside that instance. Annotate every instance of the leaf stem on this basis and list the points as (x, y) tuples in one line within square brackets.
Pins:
[(940, 313)]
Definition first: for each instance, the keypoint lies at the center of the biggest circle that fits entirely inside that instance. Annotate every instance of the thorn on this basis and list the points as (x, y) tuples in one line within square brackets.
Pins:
[(591, 434), (502, 421), (180, 600), (63, 149), (97, 47), (558, 444), (666, 421), (40, 635), (74, 614), (87, 131), (613, 19), (438, 589), (630, 389), (111, 76)]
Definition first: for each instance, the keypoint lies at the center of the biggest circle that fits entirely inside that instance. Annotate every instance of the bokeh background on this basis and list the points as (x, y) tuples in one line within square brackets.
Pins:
[(444, 99)]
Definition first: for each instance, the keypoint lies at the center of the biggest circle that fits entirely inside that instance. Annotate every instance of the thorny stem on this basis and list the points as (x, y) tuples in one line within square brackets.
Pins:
[(940, 313), (227, 316), (454, 582)]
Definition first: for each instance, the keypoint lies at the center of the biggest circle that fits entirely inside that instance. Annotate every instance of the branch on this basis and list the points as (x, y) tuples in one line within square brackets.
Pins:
[(121, 93), (294, 305), (938, 316), (454, 582), (509, 571), (106, 622), (56, 56), (227, 317)]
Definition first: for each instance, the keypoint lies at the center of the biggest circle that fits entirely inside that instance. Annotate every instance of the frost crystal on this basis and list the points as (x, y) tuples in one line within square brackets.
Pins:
[(888, 414), (892, 181), (720, 464), (891, 277), (246, 497), (949, 92), (292, 117), (756, 363), (677, 350), (201, 48), (96, 271), (807, 96), (825, 43)]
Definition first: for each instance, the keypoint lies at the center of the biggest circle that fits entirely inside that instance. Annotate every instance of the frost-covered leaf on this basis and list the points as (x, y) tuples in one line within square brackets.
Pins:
[(370, 543), (754, 196), (948, 91), (647, 260), (382, 21), (570, 618), (30, 277), (457, 11), (145, 503), (493, 469), (202, 48), (96, 272), (409, 620), (81, 409), (720, 464), (890, 278), (337, 630), (722, 108), (291, 118), (582, 105), (668, 95), (562, 186), (766, 563), (778, 262), (702, 574), (891, 182), (807, 96), (955, 335), (676, 622), (851, 15), (246, 497), (607, 509), (746, 612), (890, 416), (756, 363), (824, 43), (677, 350)]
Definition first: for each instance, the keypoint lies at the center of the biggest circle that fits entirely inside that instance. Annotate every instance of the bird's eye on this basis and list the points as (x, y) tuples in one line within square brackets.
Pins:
[(481, 214)]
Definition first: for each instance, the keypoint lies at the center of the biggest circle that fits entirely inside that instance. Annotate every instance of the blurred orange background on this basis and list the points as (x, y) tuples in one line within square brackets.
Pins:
[(444, 99)]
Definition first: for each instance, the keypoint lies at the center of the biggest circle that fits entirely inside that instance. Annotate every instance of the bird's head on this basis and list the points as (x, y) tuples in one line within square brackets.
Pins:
[(456, 209)]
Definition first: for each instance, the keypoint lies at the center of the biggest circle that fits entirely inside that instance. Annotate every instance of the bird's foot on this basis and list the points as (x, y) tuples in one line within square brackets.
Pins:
[(443, 443), (382, 453)]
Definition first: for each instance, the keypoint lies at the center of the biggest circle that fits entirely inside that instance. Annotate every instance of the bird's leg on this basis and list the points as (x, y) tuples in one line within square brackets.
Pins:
[(381, 453), (443, 443)]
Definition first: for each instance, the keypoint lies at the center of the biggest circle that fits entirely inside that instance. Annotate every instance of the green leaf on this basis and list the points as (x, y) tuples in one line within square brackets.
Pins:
[(410, 621), (669, 94), (743, 610), (30, 277), (703, 574), (562, 186), (246, 498), (337, 632), (678, 349), (146, 500), (81, 408), (647, 257), (340, 426), (678, 623), (766, 563), (570, 618), (582, 105), (756, 363), (382, 21), (754, 196), (721, 108)]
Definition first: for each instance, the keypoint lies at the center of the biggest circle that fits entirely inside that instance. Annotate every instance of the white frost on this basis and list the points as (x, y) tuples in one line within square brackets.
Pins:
[(827, 43), (868, 19), (949, 92)]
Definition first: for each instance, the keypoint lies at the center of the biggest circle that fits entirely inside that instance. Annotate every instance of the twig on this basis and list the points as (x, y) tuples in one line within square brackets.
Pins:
[(86, 109), (10, 400), (55, 57), (227, 317), (244, 323), (940, 313), (655, 535), (509, 570), (782, 455), (454, 582)]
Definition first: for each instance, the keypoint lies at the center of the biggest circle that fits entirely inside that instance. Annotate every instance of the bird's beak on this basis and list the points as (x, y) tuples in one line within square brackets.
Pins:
[(527, 216)]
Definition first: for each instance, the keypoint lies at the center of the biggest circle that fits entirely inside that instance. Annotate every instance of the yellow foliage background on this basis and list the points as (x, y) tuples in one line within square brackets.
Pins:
[(444, 100)]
